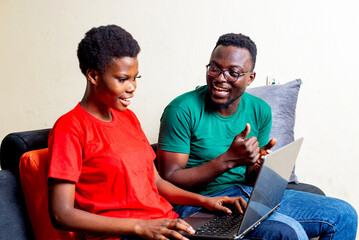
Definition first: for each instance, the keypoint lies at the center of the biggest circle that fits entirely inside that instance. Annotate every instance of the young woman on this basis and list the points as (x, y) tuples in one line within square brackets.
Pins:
[(102, 179)]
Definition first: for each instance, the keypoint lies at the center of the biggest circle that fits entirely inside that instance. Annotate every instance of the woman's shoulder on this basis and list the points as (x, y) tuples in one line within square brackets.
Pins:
[(69, 120)]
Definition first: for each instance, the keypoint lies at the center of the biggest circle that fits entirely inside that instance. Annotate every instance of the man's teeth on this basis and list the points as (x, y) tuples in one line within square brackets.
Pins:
[(220, 89)]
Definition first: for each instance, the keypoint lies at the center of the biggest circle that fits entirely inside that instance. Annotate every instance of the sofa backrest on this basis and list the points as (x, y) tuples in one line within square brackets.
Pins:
[(14, 145)]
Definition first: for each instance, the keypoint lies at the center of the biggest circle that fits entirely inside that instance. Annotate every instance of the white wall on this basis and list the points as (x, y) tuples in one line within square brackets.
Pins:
[(316, 41)]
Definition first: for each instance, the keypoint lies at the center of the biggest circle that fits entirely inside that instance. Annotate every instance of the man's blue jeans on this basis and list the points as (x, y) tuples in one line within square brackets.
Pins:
[(301, 215)]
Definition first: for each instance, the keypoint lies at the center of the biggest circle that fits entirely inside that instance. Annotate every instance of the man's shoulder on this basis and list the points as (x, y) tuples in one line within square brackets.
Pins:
[(255, 101), (191, 99)]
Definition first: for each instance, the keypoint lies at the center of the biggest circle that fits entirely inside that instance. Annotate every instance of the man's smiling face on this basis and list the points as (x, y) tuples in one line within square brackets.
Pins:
[(226, 95)]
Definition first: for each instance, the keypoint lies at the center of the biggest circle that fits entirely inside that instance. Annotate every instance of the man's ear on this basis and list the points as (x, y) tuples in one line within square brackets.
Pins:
[(92, 76), (251, 78)]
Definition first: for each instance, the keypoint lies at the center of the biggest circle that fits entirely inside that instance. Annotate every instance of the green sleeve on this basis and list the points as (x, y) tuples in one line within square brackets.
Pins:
[(175, 133), (265, 128)]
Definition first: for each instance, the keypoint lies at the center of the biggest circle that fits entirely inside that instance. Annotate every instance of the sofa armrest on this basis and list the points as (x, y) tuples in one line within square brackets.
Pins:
[(14, 221), (16, 144)]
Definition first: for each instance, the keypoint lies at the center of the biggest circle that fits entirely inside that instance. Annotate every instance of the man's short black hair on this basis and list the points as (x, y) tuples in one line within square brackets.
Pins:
[(100, 45), (239, 40)]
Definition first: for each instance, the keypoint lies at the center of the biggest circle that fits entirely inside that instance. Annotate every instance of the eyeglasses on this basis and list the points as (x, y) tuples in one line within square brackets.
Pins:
[(229, 75)]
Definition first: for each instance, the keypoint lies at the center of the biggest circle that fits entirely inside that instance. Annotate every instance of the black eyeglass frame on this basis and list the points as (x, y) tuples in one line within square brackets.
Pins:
[(225, 72)]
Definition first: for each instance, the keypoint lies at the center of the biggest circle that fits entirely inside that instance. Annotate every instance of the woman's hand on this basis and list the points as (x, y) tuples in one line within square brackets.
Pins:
[(216, 203), (162, 228)]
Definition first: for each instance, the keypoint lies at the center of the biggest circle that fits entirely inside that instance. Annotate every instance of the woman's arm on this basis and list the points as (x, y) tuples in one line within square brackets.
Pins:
[(176, 195), (65, 216)]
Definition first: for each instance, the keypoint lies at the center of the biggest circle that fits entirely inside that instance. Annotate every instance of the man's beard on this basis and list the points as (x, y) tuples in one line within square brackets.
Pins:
[(223, 105)]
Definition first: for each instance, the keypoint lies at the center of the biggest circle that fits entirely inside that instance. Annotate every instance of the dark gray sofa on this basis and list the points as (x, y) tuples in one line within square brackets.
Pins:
[(14, 220)]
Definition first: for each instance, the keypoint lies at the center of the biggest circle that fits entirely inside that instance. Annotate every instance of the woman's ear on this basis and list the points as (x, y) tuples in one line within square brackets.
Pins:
[(92, 76)]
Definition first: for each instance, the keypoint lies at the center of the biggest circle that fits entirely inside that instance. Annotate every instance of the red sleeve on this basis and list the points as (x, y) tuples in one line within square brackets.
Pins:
[(65, 149)]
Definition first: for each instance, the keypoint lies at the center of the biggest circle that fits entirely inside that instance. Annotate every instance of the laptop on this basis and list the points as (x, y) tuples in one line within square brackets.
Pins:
[(265, 198)]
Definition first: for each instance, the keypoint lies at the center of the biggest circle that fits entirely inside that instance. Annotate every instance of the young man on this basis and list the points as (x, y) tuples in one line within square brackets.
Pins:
[(203, 148)]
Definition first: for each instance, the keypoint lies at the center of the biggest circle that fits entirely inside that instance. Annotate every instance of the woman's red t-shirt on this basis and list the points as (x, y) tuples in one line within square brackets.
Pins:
[(111, 164)]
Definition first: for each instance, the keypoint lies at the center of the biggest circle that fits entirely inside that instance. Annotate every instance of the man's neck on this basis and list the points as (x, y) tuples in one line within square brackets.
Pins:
[(226, 110)]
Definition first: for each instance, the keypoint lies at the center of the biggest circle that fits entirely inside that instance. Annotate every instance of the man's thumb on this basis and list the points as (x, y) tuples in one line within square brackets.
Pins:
[(245, 132)]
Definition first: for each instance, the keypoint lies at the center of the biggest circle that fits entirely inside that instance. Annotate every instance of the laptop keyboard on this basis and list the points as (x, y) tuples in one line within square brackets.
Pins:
[(221, 225)]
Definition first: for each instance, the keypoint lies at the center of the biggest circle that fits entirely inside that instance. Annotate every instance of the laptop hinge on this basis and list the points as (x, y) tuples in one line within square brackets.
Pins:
[(251, 228)]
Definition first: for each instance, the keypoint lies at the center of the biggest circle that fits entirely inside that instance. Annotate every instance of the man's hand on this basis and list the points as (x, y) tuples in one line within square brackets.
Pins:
[(216, 203), (242, 151), (162, 228), (264, 151)]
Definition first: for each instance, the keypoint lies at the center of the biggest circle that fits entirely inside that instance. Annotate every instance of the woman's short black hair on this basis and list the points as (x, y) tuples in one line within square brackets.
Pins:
[(239, 40), (100, 45)]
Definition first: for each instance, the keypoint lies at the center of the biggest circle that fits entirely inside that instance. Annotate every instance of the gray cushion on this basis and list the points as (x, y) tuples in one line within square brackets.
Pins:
[(283, 100)]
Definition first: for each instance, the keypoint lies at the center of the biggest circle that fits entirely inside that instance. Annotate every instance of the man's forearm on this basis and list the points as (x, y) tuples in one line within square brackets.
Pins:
[(196, 177)]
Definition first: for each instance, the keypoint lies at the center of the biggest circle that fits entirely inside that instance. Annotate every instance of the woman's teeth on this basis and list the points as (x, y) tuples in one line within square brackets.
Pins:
[(125, 101)]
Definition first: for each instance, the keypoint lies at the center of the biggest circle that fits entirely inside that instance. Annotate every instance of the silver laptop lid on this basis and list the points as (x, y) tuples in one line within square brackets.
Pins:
[(270, 185)]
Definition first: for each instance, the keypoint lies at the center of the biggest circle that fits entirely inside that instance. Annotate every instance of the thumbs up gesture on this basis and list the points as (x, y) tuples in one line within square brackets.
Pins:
[(242, 151)]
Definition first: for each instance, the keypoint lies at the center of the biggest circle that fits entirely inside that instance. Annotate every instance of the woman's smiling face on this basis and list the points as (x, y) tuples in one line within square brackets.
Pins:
[(116, 85)]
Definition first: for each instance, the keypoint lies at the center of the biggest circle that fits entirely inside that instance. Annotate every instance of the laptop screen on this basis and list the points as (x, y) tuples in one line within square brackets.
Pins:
[(264, 198), (271, 184)]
